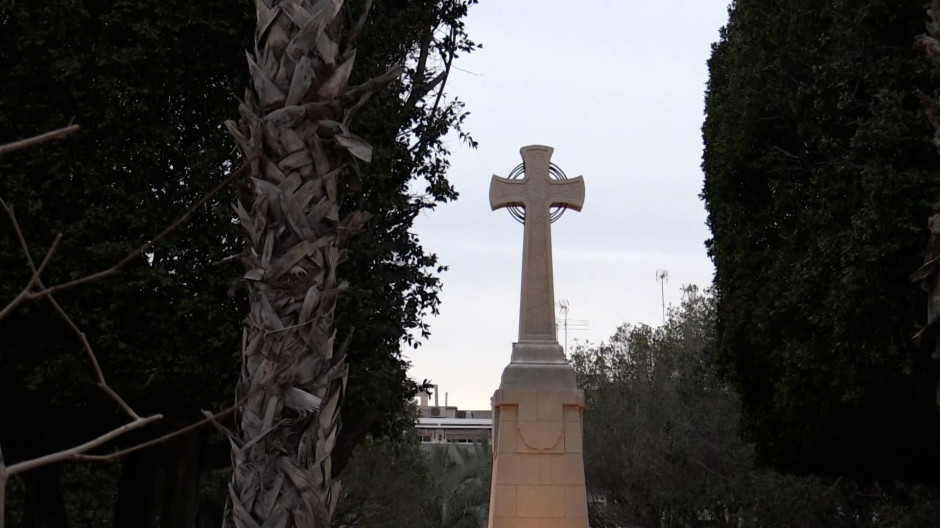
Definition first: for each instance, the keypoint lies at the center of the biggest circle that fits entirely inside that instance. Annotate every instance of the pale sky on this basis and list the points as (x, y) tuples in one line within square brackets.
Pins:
[(617, 88)]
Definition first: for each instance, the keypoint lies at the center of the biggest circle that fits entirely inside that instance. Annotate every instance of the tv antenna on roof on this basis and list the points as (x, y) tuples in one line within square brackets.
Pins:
[(662, 277), (574, 324)]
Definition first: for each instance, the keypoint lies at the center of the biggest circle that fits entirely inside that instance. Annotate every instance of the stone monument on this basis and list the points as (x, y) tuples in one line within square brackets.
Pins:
[(538, 468)]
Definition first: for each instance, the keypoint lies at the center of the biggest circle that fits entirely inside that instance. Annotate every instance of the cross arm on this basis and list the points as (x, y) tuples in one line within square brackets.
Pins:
[(505, 192), (568, 193)]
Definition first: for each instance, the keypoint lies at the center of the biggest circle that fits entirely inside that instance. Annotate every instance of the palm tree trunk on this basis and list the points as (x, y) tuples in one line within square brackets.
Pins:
[(294, 130)]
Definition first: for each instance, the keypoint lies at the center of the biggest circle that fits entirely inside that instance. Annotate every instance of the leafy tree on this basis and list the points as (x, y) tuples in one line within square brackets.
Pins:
[(660, 438), (398, 483), (151, 85), (819, 175), (384, 485), (662, 444), (458, 486)]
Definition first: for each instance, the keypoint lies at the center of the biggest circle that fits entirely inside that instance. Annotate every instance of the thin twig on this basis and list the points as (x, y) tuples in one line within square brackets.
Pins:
[(710, 470), (226, 260), (475, 74), (834, 484), (36, 140), (115, 269), (74, 452)]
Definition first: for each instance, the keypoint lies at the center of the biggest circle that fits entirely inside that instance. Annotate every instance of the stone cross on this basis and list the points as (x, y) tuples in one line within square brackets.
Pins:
[(537, 193)]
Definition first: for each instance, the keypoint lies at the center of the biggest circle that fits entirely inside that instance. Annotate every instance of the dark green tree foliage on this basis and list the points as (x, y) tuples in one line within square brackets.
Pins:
[(151, 83), (399, 483), (393, 281), (457, 490), (383, 485), (819, 175), (140, 79), (661, 443)]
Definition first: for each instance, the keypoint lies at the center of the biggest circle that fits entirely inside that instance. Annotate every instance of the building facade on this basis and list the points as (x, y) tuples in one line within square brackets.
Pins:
[(445, 424)]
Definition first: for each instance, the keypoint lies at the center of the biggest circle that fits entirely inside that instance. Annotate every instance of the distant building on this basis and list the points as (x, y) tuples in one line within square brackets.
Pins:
[(449, 425)]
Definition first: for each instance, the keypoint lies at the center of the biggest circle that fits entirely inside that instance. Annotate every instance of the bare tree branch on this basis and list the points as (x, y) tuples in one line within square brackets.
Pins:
[(448, 60), (354, 34), (441, 80), (36, 140), (79, 452), (66, 454), (102, 383), (75, 452), (426, 88), (418, 90), (226, 260), (710, 470), (45, 292), (36, 273), (115, 269), (111, 457)]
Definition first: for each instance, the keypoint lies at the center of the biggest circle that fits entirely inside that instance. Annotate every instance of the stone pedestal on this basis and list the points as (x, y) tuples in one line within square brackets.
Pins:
[(538, 467)]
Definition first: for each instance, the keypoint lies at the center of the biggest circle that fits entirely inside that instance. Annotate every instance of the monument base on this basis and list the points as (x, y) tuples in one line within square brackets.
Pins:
[(538, 467), (538, 365), (537, 376)]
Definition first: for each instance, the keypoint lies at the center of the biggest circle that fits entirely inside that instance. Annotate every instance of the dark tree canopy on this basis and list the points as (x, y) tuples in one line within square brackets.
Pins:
[(819, 176), (165, 330), (151, 84)]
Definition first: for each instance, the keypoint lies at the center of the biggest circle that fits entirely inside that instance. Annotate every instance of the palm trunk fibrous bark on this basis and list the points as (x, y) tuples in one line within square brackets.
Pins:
[(294, 127)]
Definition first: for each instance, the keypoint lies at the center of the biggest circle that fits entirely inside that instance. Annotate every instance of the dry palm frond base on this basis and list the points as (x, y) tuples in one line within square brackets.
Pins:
[(295, 127)]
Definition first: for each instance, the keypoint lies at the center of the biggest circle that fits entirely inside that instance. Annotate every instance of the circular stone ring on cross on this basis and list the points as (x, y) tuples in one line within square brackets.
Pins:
[(555, 173)]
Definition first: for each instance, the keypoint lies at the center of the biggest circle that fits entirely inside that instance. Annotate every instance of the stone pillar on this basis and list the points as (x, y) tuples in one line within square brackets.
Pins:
[(538, 466)]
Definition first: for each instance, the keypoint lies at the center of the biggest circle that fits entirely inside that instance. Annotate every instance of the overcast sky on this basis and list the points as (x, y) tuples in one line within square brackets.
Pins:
[(617, 88)]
